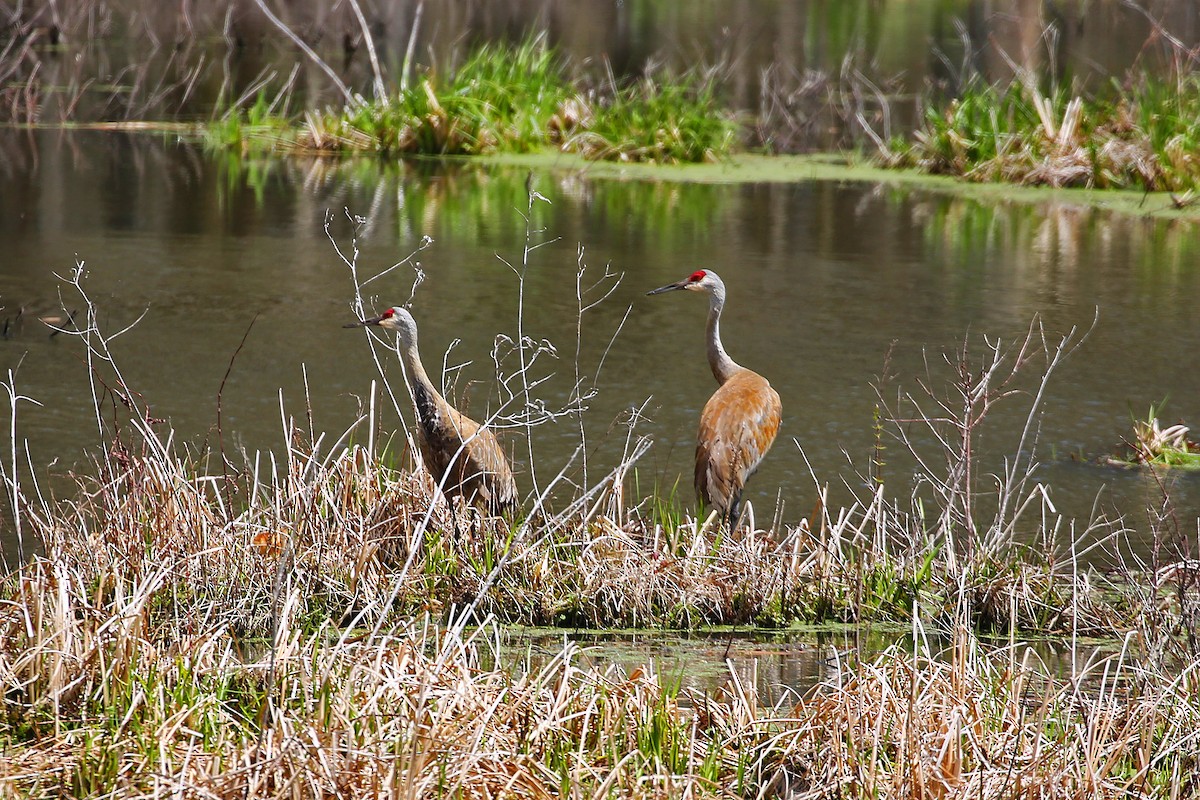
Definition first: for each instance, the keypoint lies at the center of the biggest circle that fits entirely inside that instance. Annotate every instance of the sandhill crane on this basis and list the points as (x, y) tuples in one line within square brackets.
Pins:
[(739, 422), (463, 457)]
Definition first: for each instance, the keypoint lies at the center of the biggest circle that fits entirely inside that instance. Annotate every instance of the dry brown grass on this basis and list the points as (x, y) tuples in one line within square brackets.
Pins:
[(112, 690), (367, 544), (979, 723), (171, 643)]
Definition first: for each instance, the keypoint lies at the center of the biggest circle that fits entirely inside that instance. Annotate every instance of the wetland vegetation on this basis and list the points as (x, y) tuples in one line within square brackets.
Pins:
[(1034, 122), (204, 621), (1138, 132), (505, 98)]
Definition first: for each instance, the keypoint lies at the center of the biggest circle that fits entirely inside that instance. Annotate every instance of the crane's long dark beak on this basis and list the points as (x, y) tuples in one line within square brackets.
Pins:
[(669, 287), (364, 322)]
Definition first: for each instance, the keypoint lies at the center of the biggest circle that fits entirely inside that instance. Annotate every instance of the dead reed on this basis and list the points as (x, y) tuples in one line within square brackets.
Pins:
[(113, 688)]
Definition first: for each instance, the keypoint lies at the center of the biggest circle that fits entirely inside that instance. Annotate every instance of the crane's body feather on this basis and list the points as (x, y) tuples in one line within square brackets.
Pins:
[(465, 459), (737, 426)]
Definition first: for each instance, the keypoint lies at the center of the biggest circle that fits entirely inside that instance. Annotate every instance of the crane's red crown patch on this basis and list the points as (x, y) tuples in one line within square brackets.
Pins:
[(698, 275)]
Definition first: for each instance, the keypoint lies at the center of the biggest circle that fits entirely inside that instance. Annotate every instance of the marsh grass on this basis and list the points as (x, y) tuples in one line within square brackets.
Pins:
[(125, 696), (499, 98), (264, 121), (511, 98), (1158, 446), (974, 722), (661, 119), (1140, 134)]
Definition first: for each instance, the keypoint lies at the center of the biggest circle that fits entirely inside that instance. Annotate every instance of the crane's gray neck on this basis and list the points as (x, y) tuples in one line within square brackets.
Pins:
[(723, 367), (426, 399)]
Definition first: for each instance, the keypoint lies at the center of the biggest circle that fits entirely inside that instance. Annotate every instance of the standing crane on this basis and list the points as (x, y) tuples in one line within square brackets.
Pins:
[(464, 458), (739, 422)]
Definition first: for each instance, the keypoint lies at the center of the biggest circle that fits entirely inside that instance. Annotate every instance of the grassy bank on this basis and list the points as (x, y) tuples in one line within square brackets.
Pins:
[(1138, 134), (504, 98), (1138, 131)]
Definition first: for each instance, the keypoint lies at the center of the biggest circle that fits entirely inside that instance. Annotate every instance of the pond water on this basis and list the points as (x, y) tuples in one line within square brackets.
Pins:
[(831, 284), (782, 666), (787, 664)]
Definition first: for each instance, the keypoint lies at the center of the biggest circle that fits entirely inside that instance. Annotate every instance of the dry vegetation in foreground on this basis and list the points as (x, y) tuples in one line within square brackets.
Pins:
[(137, 678), (167, 644), (320, 630)]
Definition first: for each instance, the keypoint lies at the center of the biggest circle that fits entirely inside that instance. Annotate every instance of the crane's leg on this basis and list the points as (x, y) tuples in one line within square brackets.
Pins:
[(734, 511), (453, 503)]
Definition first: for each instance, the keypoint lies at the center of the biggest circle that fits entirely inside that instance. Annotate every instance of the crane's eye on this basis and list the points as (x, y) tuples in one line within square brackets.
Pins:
[(697, 276)]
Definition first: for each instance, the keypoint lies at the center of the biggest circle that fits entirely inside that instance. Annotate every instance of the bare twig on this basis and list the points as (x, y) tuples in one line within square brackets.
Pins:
[(380, 91), (350, 98)]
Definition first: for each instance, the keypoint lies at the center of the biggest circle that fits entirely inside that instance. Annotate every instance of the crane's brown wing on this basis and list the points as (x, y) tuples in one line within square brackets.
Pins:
[(479, 470), (737, 426), (486, 477)]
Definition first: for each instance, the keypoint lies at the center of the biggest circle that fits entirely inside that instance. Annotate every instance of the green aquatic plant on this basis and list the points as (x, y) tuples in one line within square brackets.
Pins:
[(500, 98), (264, 123), (521, 87), (505, 98), (1169, 446)]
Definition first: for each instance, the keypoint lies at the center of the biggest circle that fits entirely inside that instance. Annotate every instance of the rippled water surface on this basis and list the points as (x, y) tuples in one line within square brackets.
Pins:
[(834, 288)]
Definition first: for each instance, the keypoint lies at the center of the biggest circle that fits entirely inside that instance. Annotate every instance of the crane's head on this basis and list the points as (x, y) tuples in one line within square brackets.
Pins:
[(702, 280), (395, 318)]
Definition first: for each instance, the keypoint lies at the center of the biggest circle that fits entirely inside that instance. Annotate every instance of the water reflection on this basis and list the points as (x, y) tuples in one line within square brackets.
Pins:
[(784, 666), (825, 279), (779, 666)]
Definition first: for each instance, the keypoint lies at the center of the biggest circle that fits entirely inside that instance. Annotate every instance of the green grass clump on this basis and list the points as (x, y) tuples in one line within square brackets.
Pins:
[(1155, 445), (522, 87), (245, 128), (971, 130), (1143, 136), (504, 98), (500, 98), (669, 122)]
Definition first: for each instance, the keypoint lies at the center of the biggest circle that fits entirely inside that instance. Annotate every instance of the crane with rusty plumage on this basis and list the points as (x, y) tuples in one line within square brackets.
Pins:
[(741, 419)]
